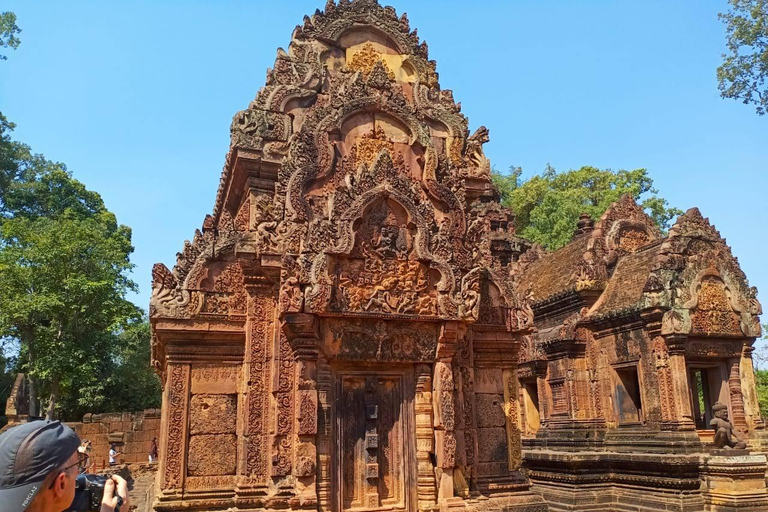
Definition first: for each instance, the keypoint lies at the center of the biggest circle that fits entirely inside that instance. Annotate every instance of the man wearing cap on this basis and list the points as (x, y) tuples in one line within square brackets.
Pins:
[(39, 464)]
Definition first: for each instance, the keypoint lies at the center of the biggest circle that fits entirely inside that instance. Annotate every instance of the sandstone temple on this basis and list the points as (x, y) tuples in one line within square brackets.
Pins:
[(357, 326)]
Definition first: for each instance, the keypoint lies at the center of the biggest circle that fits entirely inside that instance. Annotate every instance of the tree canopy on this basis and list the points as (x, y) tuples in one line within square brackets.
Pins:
[(742, 76), (64, 266), (547, 206), (8, 31), (64, 276)]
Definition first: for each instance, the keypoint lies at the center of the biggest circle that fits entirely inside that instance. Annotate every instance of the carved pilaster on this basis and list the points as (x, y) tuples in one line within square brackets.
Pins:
[(283, 390), (175, 425), (425, 443), (444, 422), (512, 413), (660, 354), (541, 391), (683, 419), (749, 390), (301, 334), (737, 399), (324, 384), (253, 469)]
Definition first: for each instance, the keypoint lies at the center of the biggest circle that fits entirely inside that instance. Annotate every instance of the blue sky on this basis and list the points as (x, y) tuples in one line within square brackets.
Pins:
[(137, 97)]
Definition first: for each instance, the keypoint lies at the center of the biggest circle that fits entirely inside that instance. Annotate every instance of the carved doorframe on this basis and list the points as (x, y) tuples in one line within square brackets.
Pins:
[(405, 372)]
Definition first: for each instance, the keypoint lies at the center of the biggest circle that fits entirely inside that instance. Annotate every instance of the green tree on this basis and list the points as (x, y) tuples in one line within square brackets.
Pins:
[(133, 385), (760, 358), (742, 76), (8, 31), (547, 206), (64, 265)]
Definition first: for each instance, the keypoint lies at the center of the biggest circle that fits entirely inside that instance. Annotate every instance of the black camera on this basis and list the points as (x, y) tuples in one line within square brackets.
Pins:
[(89, 491)]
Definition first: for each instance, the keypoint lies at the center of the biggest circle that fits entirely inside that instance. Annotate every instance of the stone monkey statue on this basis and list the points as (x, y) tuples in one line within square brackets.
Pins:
[(725, 435)]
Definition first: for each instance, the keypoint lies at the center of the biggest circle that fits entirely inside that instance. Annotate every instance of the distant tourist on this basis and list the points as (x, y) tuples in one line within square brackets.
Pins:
[(153, 450), (113, 455), (84, 452)]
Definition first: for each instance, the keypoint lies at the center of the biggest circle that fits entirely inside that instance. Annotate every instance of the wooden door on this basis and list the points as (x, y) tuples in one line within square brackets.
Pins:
[(373, 442)]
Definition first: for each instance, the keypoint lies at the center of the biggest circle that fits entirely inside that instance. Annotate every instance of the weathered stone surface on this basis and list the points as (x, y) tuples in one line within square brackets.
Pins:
[(490, 410), (492, 445), (640, 335), (212, 455), (489, 380), (213, 414)]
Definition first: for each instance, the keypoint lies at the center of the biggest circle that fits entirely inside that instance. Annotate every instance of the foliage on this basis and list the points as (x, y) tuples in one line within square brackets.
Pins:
[(133, 385), (64, 264), (761, 378), (547, 206), (760, 357), (8, 31), (744, 70)]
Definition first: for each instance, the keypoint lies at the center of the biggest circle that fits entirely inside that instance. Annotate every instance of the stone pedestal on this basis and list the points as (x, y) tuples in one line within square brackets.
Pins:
[(734, 480)]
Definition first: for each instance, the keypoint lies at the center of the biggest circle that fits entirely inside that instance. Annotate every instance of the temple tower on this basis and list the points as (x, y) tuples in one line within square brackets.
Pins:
[(343, 332)]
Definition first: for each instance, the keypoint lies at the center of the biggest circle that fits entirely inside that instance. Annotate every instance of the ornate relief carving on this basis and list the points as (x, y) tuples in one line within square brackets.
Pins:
[(382, 341), (228, 296), (178, 398), (366, 58), (630, 240), (713, 314), (257, 448), (383, 286), (369, 146)]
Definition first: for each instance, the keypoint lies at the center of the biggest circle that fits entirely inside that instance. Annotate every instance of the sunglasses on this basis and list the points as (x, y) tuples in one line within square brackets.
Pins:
[(82, 463)]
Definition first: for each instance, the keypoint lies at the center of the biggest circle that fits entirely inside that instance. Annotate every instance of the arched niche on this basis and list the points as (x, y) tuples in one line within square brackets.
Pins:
[(360, 47), (359, 36), (715, 308), (370, 132)]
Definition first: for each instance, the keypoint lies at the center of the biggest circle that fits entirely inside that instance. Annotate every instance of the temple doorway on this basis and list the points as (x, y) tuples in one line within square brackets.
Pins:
[(708, 384), (375, 440)]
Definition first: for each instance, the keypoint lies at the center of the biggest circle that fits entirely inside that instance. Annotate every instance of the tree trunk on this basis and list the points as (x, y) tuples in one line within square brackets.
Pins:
[(33, 402), (53, 399), (34, 388)]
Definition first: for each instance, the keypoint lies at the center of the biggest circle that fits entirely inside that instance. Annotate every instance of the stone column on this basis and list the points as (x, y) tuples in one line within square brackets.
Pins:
[(301, 331), (680, 387), (444, 422), (425, 443), (541, 390), (444, 410), (512, 412), (174, 429), (324, 393), (253, 468), (737, 399), (749, 390)]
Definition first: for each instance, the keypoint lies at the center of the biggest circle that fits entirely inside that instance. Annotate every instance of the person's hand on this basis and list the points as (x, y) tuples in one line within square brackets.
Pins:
[(117, 485)]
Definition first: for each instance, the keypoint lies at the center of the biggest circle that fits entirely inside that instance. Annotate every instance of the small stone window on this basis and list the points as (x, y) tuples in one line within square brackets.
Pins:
[(559, 398)]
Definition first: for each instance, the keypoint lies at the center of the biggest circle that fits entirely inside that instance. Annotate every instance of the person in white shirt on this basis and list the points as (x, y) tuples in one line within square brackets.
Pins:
[(112, 455)]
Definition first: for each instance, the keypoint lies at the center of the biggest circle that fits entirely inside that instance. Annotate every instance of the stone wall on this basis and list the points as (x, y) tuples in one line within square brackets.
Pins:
[(131, 433)]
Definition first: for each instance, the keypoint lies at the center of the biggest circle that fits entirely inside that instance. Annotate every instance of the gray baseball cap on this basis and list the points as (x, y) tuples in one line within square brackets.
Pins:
[(28, 454)]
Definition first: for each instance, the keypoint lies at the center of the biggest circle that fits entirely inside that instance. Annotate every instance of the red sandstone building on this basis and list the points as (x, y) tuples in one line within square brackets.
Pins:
[(357, 327)]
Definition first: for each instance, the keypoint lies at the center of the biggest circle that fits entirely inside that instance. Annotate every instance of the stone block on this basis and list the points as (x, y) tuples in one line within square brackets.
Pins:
[(490, 410), (213, 414), (488, 380), (116, 437), (212, 455), (215, 380), (492, 444)]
